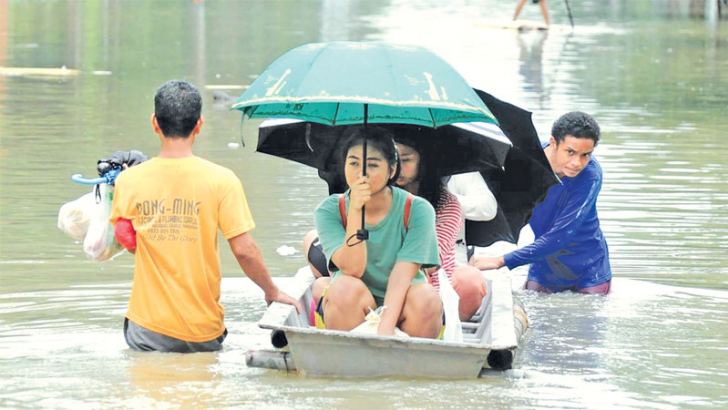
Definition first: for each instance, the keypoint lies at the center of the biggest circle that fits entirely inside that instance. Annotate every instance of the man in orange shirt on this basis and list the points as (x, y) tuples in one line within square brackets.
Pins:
[(176, 202)]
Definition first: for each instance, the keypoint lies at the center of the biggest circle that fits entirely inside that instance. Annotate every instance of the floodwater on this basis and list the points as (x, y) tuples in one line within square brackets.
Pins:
[(653, 73)]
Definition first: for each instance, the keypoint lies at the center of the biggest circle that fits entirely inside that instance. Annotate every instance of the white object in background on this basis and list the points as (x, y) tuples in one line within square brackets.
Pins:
[(285, 250), (526, 237), (450, 304), (476, 200)]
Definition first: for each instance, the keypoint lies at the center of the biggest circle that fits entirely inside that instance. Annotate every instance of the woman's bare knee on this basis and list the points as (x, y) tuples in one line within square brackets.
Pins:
[(469, 284), (318, 287), (422, 312), (346, 303)]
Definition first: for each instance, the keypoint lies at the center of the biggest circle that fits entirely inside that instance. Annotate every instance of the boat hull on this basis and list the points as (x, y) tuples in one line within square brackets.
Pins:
[(490, 341)]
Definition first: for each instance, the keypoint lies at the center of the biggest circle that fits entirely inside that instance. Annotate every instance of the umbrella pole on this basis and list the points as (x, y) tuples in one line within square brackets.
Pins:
[(362, 234)]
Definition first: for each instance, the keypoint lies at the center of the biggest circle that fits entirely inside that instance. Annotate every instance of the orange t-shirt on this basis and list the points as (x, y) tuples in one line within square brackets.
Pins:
[(176, 206)]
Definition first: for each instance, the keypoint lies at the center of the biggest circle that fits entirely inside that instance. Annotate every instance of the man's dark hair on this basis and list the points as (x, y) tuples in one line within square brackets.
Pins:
[(577, 124), (177, 106)]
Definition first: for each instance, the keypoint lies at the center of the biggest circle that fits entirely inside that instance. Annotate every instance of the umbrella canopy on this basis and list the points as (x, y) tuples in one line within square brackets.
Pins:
[(335, 83), (521, 184), (341, 83), (457, 148)]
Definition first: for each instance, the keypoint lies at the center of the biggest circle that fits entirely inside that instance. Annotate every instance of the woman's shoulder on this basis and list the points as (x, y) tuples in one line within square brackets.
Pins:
[(331, 201), (421, 205), (448, 200), (449, 206), (399, 197)]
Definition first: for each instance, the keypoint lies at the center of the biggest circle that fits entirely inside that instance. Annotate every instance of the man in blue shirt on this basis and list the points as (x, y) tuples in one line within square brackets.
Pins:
[(569, 251)]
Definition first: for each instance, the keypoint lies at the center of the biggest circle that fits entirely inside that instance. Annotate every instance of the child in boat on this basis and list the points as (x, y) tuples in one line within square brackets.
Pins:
[(385, 269), (418, 177)]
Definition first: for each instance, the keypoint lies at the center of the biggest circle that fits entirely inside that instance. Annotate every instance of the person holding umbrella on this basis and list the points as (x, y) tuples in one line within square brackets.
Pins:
[(385, 269), (350, 83), (569, 251)]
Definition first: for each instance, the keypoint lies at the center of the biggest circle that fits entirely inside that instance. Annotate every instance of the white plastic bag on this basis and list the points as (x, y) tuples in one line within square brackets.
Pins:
[(99, 243), (450, 304), (74, 216), (85, 219), (371, 324)]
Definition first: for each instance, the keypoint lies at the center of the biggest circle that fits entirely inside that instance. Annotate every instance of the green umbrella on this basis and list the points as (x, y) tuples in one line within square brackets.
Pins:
[(329, 83), (343, 83)]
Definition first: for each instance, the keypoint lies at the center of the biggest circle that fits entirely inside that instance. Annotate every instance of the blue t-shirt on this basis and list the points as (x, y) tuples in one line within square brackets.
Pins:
[(389, 242), (569, 250)]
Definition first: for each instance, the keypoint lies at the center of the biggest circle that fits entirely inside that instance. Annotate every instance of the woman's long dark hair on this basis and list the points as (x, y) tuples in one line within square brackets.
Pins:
[(378, 138), (431, 186)]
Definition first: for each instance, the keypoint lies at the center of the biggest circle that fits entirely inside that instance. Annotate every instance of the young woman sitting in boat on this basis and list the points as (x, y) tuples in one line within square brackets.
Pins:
[(384, 270), (419, 176)]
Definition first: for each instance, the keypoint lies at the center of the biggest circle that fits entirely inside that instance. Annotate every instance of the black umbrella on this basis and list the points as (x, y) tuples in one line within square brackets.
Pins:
[(516, 171), (521, 184), (456, 148)]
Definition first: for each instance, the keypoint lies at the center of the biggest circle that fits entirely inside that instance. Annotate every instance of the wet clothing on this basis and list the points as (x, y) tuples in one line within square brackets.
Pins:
[(140, 338), (601, 289), (177, 206), (569, 251), (389, 242)]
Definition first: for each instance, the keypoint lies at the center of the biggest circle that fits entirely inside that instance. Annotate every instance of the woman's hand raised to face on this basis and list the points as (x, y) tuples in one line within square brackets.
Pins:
[(360, 194)]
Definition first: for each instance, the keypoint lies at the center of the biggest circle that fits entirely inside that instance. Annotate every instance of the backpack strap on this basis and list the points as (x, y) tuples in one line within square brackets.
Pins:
[(407, 209), (405, 216)]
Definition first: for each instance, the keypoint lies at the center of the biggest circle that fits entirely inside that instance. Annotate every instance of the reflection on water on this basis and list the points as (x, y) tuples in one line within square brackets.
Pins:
[(531, 64), (184, 379), (619, 350), (627, 350), (653, 74)]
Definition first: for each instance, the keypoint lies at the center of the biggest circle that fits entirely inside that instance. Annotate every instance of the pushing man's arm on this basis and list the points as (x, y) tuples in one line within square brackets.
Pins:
[(251, 261), (566, 222)]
